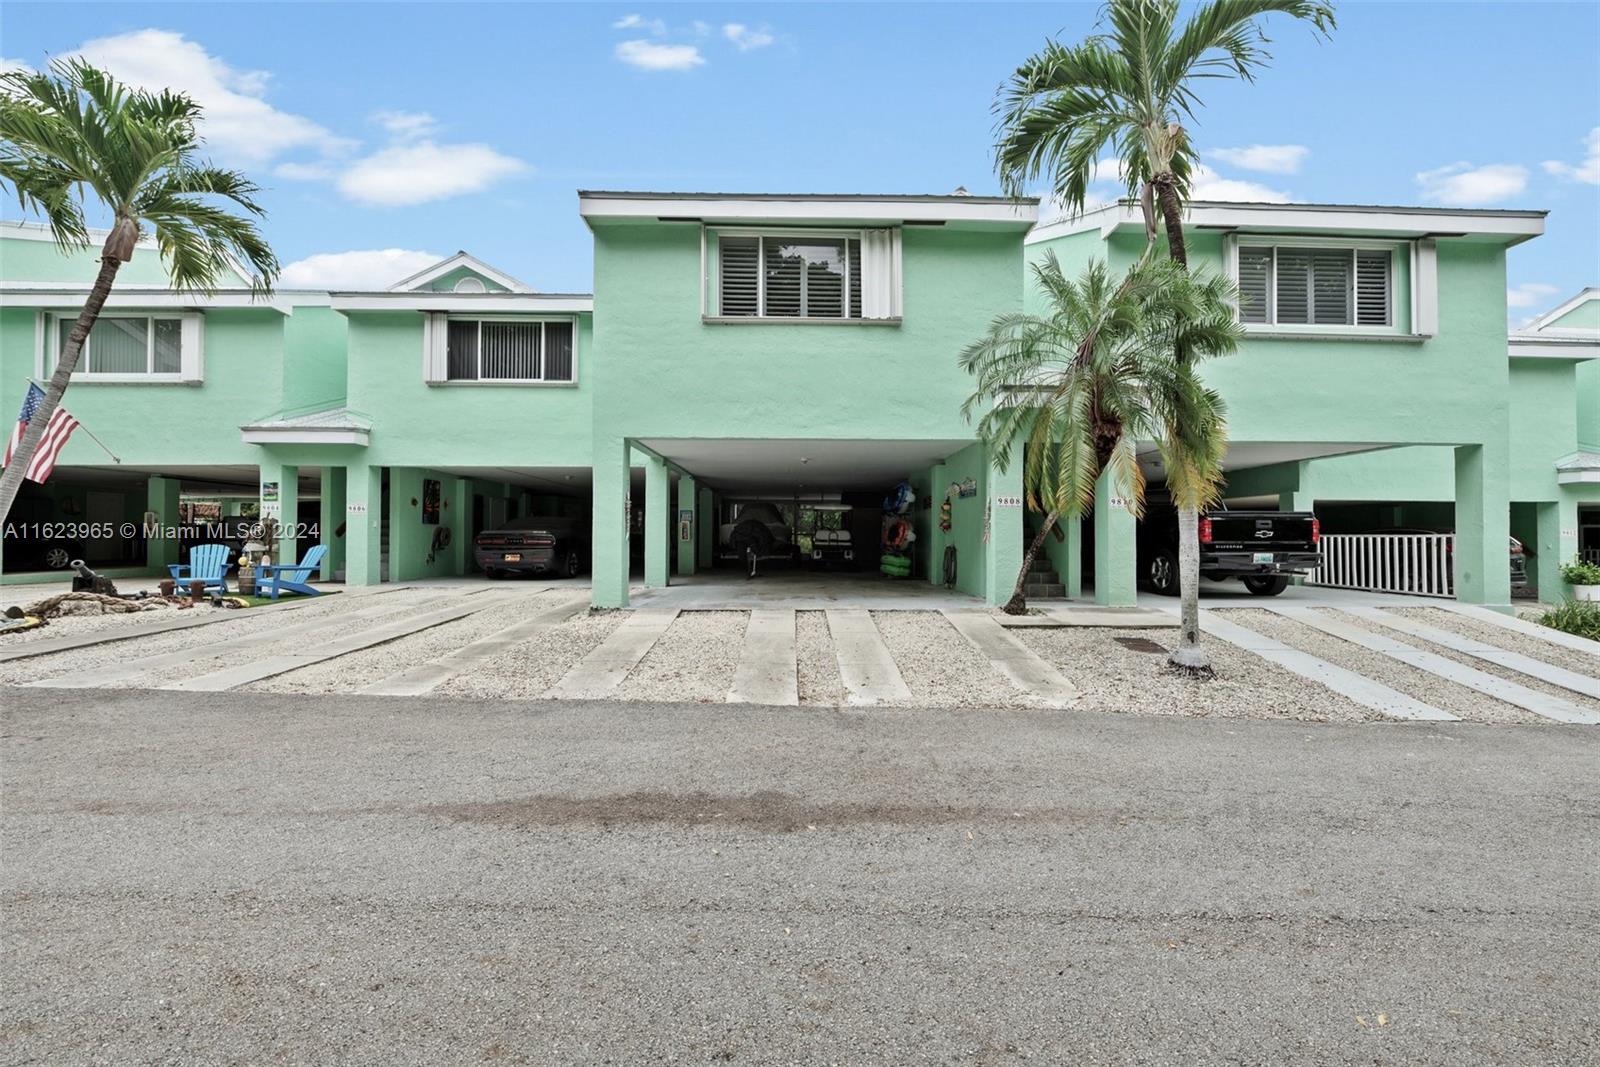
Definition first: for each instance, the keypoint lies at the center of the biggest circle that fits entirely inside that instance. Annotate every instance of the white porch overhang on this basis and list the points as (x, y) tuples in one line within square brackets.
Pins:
[(334, 426), (1580, 468)]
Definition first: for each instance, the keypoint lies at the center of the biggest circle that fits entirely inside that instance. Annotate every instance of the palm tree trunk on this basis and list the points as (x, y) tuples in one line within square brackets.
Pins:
[(11, 480), (1018, 604), (1188, 655)]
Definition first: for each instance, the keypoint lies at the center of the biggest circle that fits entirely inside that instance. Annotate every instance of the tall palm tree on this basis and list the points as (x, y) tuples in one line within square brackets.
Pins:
[(76, 133), (1127, 92), (1110, 363)]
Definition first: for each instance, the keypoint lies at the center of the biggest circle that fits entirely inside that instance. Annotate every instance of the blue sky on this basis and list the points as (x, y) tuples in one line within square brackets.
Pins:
[(386, 133)]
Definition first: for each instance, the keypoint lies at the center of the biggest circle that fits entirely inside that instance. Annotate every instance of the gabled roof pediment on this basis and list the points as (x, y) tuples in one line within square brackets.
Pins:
[(461, 273)]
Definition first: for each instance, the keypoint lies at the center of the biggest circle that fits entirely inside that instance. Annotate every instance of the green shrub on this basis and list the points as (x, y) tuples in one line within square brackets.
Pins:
[(1580, 618), (1580, 572)]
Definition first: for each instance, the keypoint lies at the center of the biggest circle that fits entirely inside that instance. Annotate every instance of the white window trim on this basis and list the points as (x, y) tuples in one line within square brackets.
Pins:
[(710, 285), (191, 348), (436, 351), (1233, 241)]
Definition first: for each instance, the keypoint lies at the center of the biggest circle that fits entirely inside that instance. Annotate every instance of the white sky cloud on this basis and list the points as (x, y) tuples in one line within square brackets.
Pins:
[(744, 38), (1269, 158), (370, 269), (239, 124), (1588, 170), (639, 22), (1207, 184), (648, 55), (406, 125), (8, 65), (1463, 185), (1531, 295), (415, 172)]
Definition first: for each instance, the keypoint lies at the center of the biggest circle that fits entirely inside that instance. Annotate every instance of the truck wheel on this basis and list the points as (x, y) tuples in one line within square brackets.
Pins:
[(1163, 573), (1267, 584)]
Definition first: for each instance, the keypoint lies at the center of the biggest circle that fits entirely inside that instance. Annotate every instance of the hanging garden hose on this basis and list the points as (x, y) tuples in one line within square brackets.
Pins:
[(949, 566)]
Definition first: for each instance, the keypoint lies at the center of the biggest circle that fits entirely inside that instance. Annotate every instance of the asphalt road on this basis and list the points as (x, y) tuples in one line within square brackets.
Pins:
[(196, 878)]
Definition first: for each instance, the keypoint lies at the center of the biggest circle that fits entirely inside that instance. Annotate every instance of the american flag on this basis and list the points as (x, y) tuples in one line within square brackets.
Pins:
[(54, 440)]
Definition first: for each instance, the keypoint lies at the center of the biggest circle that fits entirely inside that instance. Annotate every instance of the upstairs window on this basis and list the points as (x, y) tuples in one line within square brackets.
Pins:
[(854, 275), (1290, 285), (124, 347), (493, 350)]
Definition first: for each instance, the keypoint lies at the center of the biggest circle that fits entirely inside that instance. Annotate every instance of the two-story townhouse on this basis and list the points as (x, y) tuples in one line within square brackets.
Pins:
[(799, 348), (1368, 329)]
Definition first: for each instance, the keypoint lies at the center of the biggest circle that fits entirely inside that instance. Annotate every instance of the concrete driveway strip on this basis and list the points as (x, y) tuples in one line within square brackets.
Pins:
[(1358, 687), (1586, 684), (426, 677), (1523, 626), (272, 666), (598, 674), (394, 881), (768, 672), (1013, 660), (865, 665), (1551, 707)]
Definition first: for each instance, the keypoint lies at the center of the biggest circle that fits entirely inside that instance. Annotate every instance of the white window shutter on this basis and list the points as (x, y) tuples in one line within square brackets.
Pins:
[(435, 347), (192, 348), (1425, 288), (880, 274)]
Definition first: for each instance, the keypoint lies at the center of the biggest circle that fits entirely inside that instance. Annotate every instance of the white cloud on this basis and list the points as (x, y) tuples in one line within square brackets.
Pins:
[(1207, 184), (9, 65), (239, 124), (1463, 185), (648, 55), (416, 172), (639, 22), (1269, 158), (358, 270), (1530, 294), (1586, 171), (700, 27), (744, 38), (303, 172), (407, 125)]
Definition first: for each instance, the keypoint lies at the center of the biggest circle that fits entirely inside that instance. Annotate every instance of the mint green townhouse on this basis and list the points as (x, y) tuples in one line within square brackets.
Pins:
[(1377, 383)]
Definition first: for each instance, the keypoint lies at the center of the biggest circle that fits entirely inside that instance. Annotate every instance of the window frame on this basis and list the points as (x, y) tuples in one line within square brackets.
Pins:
[(711, 275), (189, 332), (1395, 248), (526, 320)]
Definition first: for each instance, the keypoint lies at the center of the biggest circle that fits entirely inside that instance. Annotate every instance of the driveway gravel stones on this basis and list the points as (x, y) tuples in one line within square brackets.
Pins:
[(1412, 681), (1114, 677), (940, 666), (816, 661), (526, 671), (1503, 637), (694, 660)]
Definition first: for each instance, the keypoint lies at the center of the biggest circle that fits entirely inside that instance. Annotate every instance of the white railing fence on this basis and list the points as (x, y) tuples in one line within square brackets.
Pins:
[(1418, 564)]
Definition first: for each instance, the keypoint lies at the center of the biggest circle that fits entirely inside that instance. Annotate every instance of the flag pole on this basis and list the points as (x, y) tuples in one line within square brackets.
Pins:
[(114, 457)]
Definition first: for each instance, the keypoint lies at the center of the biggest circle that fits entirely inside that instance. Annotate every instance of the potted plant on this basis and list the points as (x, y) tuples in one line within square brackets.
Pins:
[(1584, 577)]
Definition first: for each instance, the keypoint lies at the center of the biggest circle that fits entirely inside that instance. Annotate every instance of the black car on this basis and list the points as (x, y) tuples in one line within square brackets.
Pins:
[(533, 545), (1261, 548)]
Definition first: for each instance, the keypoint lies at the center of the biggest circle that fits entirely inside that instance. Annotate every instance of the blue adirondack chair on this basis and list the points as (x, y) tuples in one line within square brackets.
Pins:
[(207, 563), (295, 577)]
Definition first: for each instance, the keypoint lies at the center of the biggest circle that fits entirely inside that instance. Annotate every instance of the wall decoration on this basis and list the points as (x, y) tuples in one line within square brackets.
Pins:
[(432, 492)]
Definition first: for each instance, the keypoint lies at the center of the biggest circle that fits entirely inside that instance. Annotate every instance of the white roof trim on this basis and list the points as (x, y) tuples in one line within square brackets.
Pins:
[(1515, 226), (1581, 467), (304, 435), (160, 299), (1523, 345), (530, 303), (1542, 323), (874, 210), (460, 259)]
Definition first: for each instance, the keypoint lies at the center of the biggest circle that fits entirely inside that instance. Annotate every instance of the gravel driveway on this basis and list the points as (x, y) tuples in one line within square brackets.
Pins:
[(526, 671), (1501, 637), (694, 660), (940, 666)]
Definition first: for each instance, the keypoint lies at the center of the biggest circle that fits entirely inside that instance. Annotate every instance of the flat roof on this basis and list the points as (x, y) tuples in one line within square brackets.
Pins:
[(849, 208)]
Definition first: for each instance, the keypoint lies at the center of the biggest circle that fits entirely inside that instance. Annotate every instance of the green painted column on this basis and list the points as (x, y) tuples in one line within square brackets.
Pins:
[(1483, 526), (363, 518), (332, 516), (1072, 526), (688, 501), (657, 521), (162, 502), (609, 528), (1115, 554), (705, 528), (280, 498), (1557, 543), (459, 517), (1002, 556)]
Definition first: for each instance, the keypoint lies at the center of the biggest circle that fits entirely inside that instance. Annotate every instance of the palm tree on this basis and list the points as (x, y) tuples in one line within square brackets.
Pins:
[(75, 133), (1127, 92), (1109, 364)]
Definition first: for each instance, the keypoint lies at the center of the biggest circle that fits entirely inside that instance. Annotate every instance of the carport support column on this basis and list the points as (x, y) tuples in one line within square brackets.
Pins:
[(363, 519), (705, 528), (1557, 543), (1115, 555), (1483, 526), (161, 502), (609, 529), (687, 504), (280, 498), (460, 525), (331, 517), (1003, 529), (1072, 526), (657, 520)]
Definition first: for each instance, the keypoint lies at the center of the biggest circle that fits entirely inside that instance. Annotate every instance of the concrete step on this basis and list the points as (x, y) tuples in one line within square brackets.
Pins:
[(1044, 589)]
